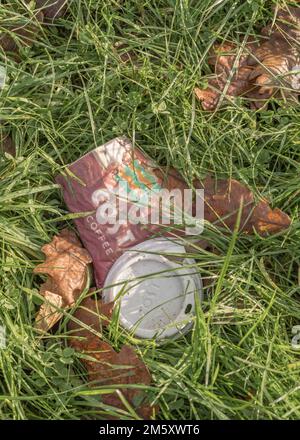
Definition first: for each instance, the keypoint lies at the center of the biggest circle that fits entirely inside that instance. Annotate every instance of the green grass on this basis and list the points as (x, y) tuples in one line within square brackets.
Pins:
[(70, 92)]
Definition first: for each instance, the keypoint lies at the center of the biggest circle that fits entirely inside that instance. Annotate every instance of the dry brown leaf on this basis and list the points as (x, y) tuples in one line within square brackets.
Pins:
[(7, 145), (66, 265), (231, 74), (52, 9), (223, 199), (48, 314), (21, 35), (277, 60), (107, 367), (26, 34), (92, 313), (287, 23), (271, 68)]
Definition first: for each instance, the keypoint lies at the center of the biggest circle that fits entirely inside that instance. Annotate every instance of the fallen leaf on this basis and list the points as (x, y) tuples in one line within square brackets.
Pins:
[(278, 68), (7, 145), (66, 265), (21, 34), (287, 22), (271, 68), (222, 201), (26, 34), (52, 9), (231, 74), (107, 367), (48, 314), (92, 313)]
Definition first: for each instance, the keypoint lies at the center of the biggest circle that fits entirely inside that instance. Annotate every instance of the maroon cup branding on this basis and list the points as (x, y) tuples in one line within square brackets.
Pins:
[(120, 194)]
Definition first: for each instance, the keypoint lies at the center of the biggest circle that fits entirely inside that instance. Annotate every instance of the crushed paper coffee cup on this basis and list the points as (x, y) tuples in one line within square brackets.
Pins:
[(119, 189), (124, 201), (155, 290)]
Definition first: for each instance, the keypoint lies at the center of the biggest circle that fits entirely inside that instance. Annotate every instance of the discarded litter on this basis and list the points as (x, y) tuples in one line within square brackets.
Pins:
[(159, 292), (118, 250), (95, 176)]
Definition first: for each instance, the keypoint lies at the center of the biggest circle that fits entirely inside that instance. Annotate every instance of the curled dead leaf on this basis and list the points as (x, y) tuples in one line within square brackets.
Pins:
[(223, 199), (271, 68), (25, 34), (66, 265), (278, 68), (287, 23)]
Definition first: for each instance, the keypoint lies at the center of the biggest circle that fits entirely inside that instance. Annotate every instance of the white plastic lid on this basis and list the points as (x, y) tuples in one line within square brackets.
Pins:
[(155, 290)]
